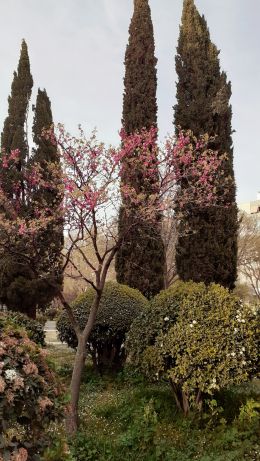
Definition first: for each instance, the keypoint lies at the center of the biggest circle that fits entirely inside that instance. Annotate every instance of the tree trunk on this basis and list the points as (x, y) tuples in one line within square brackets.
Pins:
[(181, 398), (72, 414), (185, 403)]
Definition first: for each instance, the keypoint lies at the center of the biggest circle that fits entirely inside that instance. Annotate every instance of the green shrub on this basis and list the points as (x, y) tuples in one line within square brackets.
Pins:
[(159, 317), (30, 394), (33, 328), (201, 338), (119, 306)]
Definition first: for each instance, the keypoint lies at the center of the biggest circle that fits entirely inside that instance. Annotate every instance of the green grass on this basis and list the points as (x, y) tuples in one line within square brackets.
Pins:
[(125, 418)]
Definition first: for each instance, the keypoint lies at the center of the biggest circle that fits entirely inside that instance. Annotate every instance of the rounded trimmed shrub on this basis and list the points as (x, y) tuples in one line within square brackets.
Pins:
[(30, 394), (159, 317), (201, 338), (119, 306), (34, 329)]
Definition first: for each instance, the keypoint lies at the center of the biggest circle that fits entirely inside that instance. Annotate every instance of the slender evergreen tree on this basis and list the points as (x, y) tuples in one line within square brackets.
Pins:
[(14, 135), (14, 269), (140, 261), (209, 251), (50, 243)]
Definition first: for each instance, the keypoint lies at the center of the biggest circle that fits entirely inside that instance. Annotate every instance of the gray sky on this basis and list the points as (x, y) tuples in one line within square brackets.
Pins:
[(77, 48)]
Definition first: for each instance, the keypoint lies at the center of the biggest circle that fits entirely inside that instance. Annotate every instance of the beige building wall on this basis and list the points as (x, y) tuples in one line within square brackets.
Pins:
[(251, 207)]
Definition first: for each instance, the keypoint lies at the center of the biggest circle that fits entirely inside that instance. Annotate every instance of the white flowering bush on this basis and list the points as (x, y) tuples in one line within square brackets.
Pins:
[(30, 395), (211, 343)]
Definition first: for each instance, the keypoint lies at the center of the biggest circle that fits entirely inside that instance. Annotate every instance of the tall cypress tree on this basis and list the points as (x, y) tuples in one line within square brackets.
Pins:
[(209, 251), (140, 261), (14, 135), (50, 242), (14, 268)]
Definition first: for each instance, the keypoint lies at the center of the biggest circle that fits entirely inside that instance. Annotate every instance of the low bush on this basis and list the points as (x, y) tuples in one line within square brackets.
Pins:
[(30, 395), (34, 329), (119, 306), (161, 314), (201, 338)]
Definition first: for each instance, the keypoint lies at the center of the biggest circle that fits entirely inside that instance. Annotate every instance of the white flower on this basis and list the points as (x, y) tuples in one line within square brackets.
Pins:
[(166, 319), (214, 380), (243, 321), (10, 375), (244, 362), (233, 354), (194, 322), (243, 349), (191, 325)]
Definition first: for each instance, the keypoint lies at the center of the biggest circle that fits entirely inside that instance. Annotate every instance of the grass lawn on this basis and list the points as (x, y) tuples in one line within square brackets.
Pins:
[(125, 418)]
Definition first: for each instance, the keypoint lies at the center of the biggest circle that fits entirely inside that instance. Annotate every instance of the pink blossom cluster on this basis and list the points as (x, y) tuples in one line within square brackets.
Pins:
[(7, 161), (198, 172), (139, 160), (90, 172)]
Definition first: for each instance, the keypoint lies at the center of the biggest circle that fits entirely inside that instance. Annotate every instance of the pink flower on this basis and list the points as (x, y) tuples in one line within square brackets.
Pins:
[(9, 396), (20, 455), (30, 369), (44, 402), (18, 383), (11, 341), (22, 229)]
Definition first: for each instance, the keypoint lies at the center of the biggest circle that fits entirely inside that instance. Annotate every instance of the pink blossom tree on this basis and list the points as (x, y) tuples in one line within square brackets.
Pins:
[(92, 194)]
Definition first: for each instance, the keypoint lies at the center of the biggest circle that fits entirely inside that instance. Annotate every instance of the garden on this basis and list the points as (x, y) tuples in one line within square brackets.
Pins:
[(134, 253)]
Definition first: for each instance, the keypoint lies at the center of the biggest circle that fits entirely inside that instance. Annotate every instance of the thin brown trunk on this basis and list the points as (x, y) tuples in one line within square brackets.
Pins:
[(72, 414), (72, 419), (176, 396), (181, 398), (199, 400), (185, 403)]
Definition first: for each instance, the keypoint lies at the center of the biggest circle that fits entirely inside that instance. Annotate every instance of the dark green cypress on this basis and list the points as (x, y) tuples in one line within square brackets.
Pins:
[(14, 268), (140, 261), (139, 103), (208, 252), (14, 135), (50, 242)]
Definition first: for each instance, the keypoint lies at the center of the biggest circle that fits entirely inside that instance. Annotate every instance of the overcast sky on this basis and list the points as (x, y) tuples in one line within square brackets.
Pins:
[(77, 48)]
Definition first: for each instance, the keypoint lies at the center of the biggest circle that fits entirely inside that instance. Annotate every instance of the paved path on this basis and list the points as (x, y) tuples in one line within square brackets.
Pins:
[(51, 334)]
